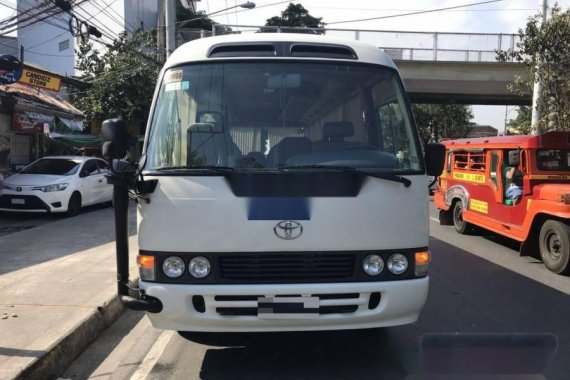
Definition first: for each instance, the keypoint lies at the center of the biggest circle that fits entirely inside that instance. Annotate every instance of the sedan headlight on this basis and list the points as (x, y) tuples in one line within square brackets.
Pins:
[(56, 187), (173, 266), (397, 263), (199, 267), (373, 265)]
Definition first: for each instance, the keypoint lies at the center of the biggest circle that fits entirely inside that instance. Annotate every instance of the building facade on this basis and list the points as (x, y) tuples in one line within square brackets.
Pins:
[(49, 43)]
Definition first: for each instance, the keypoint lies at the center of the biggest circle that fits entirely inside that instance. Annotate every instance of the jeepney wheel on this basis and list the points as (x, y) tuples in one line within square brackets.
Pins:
[(554, 245), (460, 225)]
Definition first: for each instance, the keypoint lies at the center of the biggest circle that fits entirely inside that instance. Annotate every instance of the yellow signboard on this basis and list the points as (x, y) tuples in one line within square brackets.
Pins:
[(561, 177), (480, 206), (470, 177), (40, 79)]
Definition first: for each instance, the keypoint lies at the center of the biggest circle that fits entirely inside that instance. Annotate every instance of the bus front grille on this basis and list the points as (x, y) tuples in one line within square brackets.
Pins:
[(288, 267)]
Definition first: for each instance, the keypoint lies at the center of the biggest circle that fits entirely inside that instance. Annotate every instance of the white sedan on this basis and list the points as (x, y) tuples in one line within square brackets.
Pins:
[(57, 184)]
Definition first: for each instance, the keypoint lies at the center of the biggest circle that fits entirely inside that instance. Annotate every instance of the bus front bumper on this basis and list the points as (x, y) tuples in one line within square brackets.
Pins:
[(347, 306)]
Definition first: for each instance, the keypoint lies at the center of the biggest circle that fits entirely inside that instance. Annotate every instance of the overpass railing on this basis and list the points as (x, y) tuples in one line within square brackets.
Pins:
[(400, 45)]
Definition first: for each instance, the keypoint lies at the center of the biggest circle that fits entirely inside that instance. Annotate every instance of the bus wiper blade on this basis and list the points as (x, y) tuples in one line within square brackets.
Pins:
[(200, 168), (349, 169)]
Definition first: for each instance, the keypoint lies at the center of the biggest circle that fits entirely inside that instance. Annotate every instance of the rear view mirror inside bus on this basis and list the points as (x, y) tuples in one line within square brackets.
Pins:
[(284, 81), (514, 158), (435, 158)]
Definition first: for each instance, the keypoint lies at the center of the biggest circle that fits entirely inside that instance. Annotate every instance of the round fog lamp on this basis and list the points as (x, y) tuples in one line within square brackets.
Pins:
[(199, 267), (397, 263), (173, 266), (373, 265)]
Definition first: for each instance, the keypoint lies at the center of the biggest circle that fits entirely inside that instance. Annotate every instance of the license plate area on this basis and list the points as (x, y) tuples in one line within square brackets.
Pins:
[(288, 307), (18, 201)]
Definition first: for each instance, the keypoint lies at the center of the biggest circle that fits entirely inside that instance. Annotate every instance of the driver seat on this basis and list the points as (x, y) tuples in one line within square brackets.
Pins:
[(334, 135)]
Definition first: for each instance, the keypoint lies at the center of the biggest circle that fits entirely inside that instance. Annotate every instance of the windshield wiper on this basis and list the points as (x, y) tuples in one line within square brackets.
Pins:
[(349, 169), (204, 169)]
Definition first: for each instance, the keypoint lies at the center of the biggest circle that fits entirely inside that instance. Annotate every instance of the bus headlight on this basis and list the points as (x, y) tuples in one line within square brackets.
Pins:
[(199, 267), (373, 265), (173, 266), (397, 263)]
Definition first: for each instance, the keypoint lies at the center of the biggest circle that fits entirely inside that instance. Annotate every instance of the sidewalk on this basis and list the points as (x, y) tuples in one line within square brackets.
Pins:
[(57, 292)]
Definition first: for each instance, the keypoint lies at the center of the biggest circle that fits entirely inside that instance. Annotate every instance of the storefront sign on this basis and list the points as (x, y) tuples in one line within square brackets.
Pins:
[(41, 79), (31, 122), (10, 69)]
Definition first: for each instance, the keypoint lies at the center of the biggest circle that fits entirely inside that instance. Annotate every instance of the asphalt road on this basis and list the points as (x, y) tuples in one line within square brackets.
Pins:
[(478, 285)]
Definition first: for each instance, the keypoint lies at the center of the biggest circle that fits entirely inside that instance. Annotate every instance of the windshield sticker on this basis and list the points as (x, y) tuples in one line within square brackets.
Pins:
[(174, 76), (177, 86)]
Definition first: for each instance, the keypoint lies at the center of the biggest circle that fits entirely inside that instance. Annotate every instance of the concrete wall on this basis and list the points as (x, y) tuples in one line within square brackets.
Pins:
[(9, 45)]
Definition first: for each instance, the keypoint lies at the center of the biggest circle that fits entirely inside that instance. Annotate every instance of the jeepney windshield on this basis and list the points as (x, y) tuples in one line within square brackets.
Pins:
[(553, 159), (271, 115)]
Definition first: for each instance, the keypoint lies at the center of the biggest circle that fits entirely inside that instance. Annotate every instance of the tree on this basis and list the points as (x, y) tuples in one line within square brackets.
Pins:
[(547, 46), (295, 15), (437, 121), (520, 125), (123, 78)]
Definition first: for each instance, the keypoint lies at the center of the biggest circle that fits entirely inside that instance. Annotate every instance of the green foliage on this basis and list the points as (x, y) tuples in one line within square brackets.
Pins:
[(437, 121), (551, 42), (295, 15), (199, 19), (520, 125), (123, 78)]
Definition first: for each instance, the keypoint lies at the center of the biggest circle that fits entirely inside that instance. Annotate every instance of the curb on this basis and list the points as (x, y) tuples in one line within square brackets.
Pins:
[(62, 353)]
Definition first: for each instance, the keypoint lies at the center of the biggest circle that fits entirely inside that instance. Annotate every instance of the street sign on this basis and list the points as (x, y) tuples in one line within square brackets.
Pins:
[(10, 69), (41, 79)]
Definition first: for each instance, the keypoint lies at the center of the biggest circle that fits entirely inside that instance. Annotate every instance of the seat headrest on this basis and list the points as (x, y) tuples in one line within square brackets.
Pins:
[(337, 129), (205, 128)]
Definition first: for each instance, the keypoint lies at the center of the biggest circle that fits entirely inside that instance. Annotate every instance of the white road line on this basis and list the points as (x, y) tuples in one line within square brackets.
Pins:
[(434, 219), (152, 357)]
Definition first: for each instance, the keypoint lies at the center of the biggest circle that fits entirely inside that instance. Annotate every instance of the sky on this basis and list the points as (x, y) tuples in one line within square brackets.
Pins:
[(505, 16)]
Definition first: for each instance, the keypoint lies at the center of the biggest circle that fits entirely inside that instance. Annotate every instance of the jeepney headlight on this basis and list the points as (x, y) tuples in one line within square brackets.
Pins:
[(173, 266), (565, 198), (397, 263), (199, 267), (373, 265)]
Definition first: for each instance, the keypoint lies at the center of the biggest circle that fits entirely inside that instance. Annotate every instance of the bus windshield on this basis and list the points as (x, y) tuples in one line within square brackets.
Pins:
[(282, 114)]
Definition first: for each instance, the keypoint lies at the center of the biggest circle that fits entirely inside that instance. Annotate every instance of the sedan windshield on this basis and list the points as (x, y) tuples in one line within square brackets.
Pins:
[(282, 115), (52, 166)]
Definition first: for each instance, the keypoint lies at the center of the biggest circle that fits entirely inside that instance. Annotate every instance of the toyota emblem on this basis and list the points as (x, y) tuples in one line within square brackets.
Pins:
[(288, 230), (18, 188)]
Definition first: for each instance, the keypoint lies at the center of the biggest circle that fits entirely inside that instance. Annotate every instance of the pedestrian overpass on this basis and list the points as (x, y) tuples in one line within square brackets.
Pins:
[(436, 67)]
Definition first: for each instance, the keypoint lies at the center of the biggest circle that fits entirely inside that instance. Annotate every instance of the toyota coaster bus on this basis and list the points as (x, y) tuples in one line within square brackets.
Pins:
[(282, 187)]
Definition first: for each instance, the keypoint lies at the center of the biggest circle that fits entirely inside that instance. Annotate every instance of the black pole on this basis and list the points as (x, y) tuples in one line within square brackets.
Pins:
[(121, 201)]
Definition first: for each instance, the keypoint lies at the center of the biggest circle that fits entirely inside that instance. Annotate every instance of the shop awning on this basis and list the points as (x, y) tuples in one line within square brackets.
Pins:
[(78, 140), (74, 125)]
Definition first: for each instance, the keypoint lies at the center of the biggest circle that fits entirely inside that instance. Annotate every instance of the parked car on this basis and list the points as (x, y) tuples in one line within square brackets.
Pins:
[(57, 184)]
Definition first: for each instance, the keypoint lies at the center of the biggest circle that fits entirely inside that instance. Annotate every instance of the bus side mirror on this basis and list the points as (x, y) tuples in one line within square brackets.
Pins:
[(114, 138), (435, 159), (514, 158)]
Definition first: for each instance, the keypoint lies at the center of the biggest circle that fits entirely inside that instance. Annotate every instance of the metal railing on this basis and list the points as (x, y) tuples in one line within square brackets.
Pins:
[(400, 45)]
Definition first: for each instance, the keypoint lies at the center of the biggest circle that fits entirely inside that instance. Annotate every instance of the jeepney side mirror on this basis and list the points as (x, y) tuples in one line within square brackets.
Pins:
[(114, 138), (514, 158), (434, 159)]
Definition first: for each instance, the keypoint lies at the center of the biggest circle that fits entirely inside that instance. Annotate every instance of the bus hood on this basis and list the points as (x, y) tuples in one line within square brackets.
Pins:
[(201, 214), (552, 191)]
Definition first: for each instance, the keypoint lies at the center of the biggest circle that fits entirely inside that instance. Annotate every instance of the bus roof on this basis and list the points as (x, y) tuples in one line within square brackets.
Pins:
[(546, 140), (198, 50)]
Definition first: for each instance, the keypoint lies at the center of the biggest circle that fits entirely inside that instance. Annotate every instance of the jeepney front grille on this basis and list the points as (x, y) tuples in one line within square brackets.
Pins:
[(288, 267)]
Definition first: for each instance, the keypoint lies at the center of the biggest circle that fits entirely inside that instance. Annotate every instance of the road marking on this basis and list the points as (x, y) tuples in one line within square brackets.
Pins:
[(152, 357), (434, 219)]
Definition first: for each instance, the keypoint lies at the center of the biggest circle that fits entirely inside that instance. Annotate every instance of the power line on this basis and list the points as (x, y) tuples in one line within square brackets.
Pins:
[(118, 15), (99, 24), (257, 7), (414, 13), (121, 25)]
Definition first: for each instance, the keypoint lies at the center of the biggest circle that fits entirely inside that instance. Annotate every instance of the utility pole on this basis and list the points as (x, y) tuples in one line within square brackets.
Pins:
[(170, 26), (537, 91), (160, 40)]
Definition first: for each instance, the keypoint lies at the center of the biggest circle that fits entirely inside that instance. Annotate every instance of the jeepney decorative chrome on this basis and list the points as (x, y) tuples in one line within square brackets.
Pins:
[(459, 192), (288, 230)]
